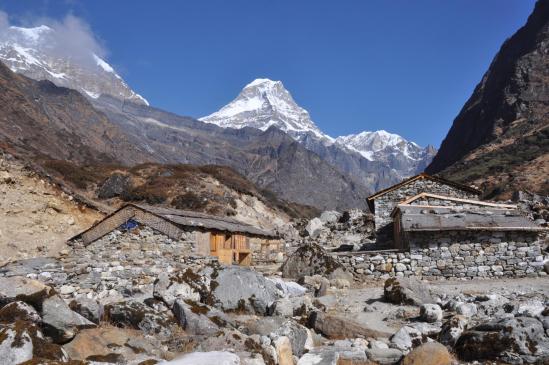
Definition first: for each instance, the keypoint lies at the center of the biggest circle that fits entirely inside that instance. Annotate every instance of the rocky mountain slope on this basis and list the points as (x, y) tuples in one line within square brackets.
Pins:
[(44, 121), (38, 53), (406, 157), (38, 118), (271, 159), (216, 190), (36, 217), (500, 139), (365, 156)]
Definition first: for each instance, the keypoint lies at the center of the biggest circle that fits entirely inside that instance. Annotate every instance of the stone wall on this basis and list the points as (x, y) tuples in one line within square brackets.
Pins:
[(123, 264), (455, 255), (385, 204)]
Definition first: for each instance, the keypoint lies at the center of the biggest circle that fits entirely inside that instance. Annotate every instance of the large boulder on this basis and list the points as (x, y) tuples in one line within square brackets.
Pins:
[(330, 216), (60, 322), (430, 313), (514, 340), (240, 289), (170, 288), (23, 289), (115, 185), (283, 349), (314, 225), (87, 308), (384, 356), (431, 353), (137, 315), (410, 291), (289, 289), (192, 317), (311, 259), (210, 358), (452, 330), (23, 341), (297, 334), (406, 338), (338, 327), (19, 311), (118, 345)]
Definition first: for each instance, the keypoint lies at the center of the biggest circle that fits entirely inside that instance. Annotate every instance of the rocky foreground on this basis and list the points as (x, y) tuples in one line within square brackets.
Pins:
[(204, 313)]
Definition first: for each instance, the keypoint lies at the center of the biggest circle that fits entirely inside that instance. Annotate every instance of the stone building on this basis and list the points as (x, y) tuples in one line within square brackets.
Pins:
[(455, 237), (383, 202), (191, 233), (437, 236)]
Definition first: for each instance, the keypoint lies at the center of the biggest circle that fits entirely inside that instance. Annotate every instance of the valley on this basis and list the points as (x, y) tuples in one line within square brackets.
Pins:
[(134, 235)]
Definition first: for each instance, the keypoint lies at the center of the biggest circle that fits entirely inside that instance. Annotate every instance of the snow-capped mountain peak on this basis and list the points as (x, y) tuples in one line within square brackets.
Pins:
[(264, 103), (389, 148), (39, 53)]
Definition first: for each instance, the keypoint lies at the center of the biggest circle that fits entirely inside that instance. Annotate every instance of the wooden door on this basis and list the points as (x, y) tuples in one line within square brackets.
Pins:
[(217, 241)]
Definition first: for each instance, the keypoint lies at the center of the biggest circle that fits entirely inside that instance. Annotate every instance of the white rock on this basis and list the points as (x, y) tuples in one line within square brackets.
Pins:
[(67, 289), (210, 358), (314, 226), (531, 308), (467, 309), (430, 313)]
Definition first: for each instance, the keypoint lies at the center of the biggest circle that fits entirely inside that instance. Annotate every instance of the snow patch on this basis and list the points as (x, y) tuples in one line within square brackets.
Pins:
[(101, 63)]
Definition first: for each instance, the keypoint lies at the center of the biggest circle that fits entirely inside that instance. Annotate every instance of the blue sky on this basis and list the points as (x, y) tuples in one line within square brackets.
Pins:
[(403, 66)]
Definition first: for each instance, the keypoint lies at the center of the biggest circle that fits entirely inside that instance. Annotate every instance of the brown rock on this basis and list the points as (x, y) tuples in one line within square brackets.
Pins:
[(335, 327), (431, 353), (407, 291), (105, 344), (284, 350), (23, 289)]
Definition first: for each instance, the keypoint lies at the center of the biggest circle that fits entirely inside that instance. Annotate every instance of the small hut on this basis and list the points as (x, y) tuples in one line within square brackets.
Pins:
[(226, 238), (427, 219), (383, 202)]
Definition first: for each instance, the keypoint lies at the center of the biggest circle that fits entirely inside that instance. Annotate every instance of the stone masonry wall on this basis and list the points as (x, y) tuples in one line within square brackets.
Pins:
[(123, 264), (385, 204), (455, 255)]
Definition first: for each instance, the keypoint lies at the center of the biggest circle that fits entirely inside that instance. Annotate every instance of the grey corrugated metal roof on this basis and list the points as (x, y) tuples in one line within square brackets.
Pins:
[(422, 218)]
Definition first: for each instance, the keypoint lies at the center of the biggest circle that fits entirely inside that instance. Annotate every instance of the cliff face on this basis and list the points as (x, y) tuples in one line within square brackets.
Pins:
[(500, 139), (38, 118)]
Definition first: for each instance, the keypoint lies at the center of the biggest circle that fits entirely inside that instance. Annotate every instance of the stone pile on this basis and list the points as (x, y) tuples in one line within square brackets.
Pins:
[(535, 206), (350, 230)]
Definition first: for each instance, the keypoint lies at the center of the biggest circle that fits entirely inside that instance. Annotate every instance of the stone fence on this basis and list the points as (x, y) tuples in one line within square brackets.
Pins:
[(447, 260)]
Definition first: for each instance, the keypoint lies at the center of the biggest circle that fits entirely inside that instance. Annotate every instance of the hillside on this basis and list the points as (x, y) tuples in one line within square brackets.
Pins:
[(271, 159), (500, 139), (40, 119), (36, 217), (372, 159), (216, 190)]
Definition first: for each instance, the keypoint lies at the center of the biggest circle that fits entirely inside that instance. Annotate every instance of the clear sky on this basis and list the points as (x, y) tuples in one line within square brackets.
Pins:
[(403, 66)]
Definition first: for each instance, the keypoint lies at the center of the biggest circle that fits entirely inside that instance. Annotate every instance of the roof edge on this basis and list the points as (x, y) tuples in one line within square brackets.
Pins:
[(424, 175)]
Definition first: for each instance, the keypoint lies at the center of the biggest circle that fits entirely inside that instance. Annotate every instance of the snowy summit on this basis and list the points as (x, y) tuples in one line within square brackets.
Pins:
[(264, 103), (38, 53)]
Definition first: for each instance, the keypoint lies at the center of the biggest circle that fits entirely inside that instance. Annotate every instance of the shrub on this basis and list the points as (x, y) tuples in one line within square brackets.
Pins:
[(189, 201)]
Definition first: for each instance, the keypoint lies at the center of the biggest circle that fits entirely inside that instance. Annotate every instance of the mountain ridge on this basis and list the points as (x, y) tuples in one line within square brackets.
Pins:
[(263, 103), (34, 52), (500, 138)]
